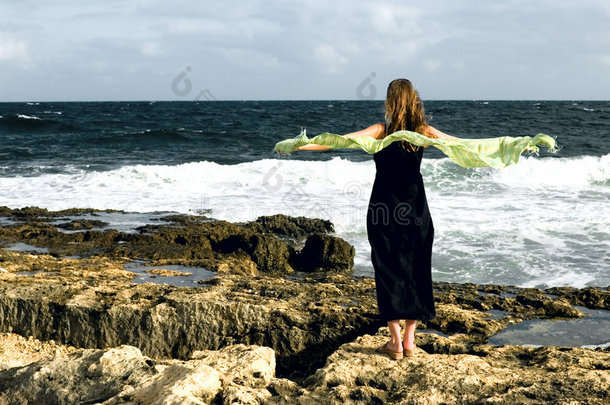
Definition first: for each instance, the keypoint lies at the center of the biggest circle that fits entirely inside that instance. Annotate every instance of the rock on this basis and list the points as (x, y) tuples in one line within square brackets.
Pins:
[(294, 227), (590, 297), (17, 351), (271, 243), (353, 373), (303, 320), (84, 376), (92, 303), (180, 383), (236, 374), (243, 266), (167, 273), (44, 266), (284, 390), (241, 365), (82, 224), (327, 252), (35, 214), (245, 396), (270, 254), (528, 303), (504, 375), (452, 319)]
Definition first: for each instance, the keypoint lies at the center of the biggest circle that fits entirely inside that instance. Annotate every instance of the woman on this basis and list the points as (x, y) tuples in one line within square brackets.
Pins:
[(399, 225)]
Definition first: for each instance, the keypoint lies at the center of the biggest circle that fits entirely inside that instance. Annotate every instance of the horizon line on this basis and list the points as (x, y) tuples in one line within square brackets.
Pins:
[(296, 100)]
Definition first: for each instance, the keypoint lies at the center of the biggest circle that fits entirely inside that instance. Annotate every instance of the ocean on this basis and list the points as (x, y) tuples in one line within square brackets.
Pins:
[(543, 222)]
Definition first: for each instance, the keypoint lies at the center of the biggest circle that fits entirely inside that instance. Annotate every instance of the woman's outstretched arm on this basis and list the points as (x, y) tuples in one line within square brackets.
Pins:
[(375, 131), (432, 132)]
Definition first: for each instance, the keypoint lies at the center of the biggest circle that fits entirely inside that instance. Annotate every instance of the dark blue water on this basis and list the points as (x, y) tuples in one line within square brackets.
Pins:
[(51, 137)]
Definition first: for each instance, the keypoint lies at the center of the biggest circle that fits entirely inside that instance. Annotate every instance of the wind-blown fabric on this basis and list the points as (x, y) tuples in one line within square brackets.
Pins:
[(493, 152)]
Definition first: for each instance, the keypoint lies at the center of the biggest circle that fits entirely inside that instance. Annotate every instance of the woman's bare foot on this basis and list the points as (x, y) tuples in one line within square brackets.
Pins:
[(389, 349), (395, 347), (408, 342), (408, 350)]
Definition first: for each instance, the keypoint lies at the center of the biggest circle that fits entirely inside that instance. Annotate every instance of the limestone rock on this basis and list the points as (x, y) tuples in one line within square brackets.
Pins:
[(271, 243), (236, 374), (303, 320), (197, 336), (327, 252), (236, 265), (504, 375), (247, 366), (87, 375), (245, 396), (295, 227), (270, 254), (187, 383), (590, 297), (354, 373), (167, 273), (18, 351)]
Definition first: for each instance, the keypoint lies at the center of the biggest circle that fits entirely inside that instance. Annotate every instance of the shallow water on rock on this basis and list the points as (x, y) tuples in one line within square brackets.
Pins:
[(126, 222), (590, 331), (26, 248), (184, 280)]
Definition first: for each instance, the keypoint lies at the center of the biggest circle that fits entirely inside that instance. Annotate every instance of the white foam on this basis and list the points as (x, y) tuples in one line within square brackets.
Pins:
[(553, 172), (600, 346), (543, 222), (28, 117), (559, 277)]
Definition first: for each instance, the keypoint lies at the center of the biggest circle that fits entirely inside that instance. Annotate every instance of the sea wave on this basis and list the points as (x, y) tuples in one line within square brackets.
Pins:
[(148, 137), (269, 178), (582, 171), (541, 222), (530, 172), (28, 117), (29, 123)]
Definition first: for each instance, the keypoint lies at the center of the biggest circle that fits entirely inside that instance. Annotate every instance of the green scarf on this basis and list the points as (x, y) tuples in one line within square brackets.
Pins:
[(493, 152)]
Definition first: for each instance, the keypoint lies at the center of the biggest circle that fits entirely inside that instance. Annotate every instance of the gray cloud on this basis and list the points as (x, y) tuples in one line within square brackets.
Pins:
[(509, 49)]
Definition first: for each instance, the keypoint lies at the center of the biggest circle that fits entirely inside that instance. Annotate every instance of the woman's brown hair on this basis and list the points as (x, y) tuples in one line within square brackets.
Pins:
[(404, 110)]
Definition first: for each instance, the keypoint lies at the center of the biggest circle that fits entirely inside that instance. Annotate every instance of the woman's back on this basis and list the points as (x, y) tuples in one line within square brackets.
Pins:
[(394, 161)]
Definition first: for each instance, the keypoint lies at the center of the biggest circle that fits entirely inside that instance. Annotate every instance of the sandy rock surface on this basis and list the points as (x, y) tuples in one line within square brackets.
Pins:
[(354, 373), (18, 351), (282, 322), (123, 375), (499, 375)]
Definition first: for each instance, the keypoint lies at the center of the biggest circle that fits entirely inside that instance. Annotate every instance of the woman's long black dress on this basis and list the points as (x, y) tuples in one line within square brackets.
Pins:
[(401, 232)]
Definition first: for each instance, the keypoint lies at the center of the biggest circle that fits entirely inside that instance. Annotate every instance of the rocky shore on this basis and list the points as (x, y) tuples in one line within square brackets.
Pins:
[(281, 320)]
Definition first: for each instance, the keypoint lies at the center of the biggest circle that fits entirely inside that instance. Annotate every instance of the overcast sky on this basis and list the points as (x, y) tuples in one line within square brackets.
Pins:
[(281, 49)]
